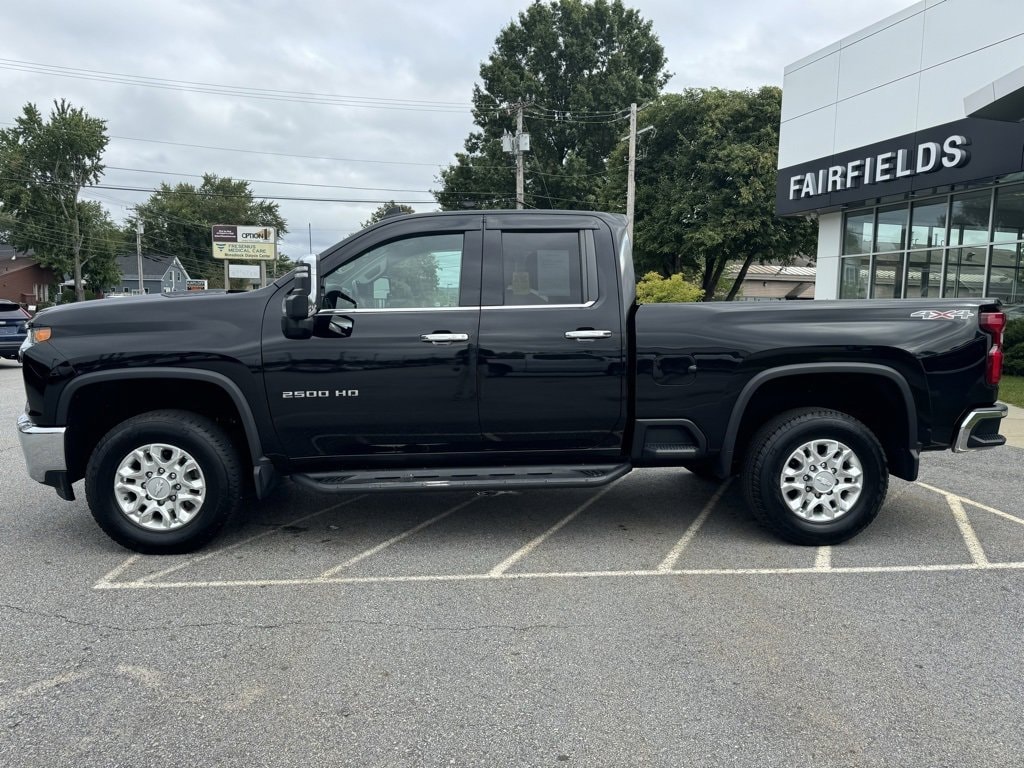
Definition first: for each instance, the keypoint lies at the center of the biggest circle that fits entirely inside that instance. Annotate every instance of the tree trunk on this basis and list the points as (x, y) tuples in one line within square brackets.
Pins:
[(740, 277)]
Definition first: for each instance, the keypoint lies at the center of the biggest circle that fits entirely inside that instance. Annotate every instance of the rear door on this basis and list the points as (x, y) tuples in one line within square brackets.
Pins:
[(552, 344)]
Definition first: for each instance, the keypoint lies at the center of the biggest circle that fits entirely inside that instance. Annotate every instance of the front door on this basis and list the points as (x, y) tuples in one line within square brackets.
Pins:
[(391, 366)]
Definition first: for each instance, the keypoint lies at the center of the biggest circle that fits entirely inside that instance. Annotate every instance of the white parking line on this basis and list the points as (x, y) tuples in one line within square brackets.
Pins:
[(970, 537), (823, 558), (978, 504), (199, 558), (519, 554), (467, 577), (395, 539), (673, 556)]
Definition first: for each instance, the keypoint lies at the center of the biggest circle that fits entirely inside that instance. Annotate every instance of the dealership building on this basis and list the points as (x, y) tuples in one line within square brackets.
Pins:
[(906, 142)]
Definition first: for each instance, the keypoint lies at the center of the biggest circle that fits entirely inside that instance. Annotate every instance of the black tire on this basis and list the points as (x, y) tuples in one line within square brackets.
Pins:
[(774, 448), (215, 459)]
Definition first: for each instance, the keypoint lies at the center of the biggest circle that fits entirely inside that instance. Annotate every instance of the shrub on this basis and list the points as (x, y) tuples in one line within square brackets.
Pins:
[(1013, 348), (655, 289)]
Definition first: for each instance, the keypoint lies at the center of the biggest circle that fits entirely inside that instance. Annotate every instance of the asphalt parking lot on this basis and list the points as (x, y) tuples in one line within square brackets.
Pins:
[(648, 623)]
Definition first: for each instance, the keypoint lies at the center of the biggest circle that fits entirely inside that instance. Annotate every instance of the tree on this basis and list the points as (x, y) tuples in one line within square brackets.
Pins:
[(385, 210), (177, 220), (44, 165), (576, 67), (705, 192), (653, 289)]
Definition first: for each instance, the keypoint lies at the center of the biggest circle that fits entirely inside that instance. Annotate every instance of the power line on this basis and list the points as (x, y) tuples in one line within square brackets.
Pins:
[(370, 102), (264, 152), (268, 181)]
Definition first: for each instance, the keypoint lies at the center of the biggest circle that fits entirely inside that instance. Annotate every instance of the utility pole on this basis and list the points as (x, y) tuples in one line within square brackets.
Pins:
[(630, 180), (631, 172), (138, 252), (517, 145), (519, 157)]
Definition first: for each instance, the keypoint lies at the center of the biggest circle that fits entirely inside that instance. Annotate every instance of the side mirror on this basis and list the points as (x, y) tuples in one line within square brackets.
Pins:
[(300, 303)]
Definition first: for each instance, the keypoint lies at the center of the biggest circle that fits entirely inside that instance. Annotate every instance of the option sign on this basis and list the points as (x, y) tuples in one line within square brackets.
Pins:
[(241, 243)]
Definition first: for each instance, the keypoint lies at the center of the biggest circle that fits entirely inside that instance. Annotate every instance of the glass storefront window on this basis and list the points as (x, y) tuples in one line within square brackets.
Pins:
[(853, 277), (924, 274), (887, 276), (860, 231), (965, 273), (927, 247), (1008, 219), (928, 224), (969, 215), (1006, 277), (891, 230)]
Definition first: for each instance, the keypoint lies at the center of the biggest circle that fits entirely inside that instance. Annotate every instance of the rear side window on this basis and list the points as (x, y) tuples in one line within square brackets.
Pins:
[(542, 268)]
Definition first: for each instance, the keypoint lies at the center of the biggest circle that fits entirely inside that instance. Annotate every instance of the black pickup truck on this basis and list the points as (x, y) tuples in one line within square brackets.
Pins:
[(494, 350)]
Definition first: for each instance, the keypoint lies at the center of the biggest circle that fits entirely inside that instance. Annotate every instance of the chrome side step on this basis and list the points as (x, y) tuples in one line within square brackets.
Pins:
[(465, 478)]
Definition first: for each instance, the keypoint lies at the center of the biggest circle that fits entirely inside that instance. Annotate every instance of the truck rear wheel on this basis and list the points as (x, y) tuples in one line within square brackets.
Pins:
[(164, 482), (815, 476)]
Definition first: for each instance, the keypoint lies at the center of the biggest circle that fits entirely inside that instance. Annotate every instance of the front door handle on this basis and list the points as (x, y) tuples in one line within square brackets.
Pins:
[(443, 338), (587, 335)]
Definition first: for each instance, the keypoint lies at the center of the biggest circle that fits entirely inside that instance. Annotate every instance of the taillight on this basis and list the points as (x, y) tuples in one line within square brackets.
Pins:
[(993, 324)]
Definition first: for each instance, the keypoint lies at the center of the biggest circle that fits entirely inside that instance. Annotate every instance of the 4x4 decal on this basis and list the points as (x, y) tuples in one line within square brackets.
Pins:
[(949, 314)]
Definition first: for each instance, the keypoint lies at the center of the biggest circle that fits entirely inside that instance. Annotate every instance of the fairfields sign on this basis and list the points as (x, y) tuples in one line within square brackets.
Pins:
[(967, 150), (886, 166)]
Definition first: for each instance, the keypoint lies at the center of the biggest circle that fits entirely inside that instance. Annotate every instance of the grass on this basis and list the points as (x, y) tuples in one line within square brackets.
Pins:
[(1011, 390)]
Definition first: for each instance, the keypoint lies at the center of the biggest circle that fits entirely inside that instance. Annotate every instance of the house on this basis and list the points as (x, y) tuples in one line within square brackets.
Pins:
[(23, 280), (766, 282), (160, 274)]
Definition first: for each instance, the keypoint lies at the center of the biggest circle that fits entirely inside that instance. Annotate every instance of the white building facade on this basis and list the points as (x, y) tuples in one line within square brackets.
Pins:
[(906, 142)]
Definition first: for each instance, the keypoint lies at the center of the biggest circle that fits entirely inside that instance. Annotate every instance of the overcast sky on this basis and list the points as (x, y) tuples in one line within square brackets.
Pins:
[(400, 50)]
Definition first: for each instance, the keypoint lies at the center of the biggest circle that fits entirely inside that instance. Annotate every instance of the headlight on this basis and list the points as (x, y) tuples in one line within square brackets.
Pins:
[(35, 336)]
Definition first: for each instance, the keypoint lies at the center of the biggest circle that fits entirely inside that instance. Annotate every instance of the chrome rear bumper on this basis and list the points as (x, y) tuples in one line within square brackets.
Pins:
[(980, 429)]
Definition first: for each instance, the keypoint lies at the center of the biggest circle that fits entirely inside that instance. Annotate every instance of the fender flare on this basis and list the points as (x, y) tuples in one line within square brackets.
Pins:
[(725, 457), (252, 435)]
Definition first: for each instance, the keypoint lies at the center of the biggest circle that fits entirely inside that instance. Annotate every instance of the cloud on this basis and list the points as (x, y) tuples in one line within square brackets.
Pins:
[(399, 50)]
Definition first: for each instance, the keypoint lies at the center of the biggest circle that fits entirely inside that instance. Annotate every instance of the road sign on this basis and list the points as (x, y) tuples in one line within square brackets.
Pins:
[(251, 271), (195, 285), (241, 243)]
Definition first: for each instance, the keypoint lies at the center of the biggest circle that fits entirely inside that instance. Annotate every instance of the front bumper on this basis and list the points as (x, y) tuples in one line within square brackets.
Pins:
[(44, 450), (980, 429)]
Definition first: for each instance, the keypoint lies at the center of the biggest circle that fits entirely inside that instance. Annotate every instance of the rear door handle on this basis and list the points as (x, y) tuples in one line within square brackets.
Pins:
[(443, 338), (587, 335)]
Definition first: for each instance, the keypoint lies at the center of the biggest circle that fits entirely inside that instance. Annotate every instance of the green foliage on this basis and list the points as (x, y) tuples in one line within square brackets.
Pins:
[(384, 209), (44, 164), (655, 289), (1013, 347), (1011, 390), (177, 221), (574, 64), (705, 188)]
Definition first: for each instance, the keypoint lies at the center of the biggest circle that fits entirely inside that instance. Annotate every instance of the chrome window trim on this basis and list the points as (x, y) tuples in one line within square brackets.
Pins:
[(540, 306), (376, 310)]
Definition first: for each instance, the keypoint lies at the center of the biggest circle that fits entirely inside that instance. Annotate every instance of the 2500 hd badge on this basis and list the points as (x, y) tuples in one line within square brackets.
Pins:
[(297, 393)]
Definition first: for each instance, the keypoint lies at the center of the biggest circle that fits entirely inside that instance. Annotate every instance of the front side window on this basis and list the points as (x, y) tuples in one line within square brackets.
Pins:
[(542, 268), (413, 273)]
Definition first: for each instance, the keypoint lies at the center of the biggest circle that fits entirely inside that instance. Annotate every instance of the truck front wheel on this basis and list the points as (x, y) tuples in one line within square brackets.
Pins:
[(164, 482), (815, 476)]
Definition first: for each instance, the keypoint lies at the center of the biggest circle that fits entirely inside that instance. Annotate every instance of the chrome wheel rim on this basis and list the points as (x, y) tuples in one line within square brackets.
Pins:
[(821, 480), (159, 487)]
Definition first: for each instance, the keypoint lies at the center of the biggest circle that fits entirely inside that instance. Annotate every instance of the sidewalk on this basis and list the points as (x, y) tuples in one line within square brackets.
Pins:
[(1012, 427)]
